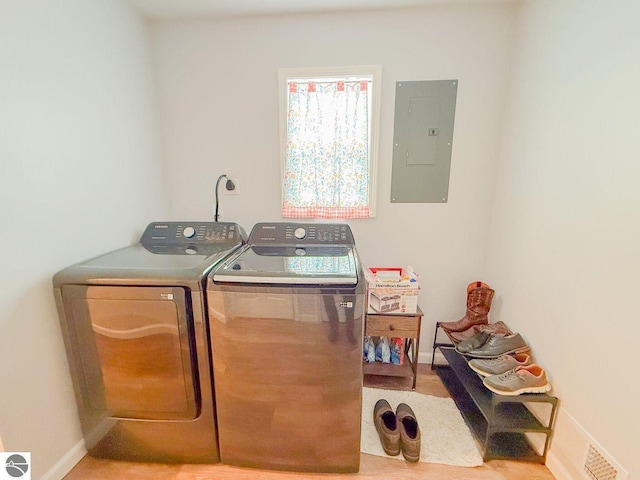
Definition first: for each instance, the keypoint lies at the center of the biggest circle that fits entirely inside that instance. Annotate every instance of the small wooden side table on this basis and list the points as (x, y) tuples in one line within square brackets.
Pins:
[(401, 325)]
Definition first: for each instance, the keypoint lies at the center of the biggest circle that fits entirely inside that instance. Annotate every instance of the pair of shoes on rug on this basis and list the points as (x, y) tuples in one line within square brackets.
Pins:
[(397, 431)]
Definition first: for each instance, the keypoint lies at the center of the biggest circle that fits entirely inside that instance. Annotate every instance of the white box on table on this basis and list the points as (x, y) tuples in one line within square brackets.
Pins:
[(392, 295)]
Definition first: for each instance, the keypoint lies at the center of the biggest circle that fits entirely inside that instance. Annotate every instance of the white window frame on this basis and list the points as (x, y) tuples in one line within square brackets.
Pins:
[(373, 72)]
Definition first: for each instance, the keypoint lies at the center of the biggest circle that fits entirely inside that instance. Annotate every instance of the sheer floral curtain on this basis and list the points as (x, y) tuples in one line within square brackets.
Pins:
[(327, 152)]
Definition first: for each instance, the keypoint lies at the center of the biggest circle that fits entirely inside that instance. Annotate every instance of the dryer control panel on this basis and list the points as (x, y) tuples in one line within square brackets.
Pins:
[(191, 237), (301, 234)]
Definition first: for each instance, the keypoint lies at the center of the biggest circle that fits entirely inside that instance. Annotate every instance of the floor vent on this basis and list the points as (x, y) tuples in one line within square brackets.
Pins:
[(580, 455), (597, 467)]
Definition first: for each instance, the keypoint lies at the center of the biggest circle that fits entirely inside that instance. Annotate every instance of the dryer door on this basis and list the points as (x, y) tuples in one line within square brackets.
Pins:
[(133, 347)]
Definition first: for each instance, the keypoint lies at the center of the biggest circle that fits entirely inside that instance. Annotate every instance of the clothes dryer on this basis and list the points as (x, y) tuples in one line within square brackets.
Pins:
[(134, 322), (286, 317)]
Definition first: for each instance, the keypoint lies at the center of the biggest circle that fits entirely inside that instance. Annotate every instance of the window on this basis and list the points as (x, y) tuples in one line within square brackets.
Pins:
[(329, 126)]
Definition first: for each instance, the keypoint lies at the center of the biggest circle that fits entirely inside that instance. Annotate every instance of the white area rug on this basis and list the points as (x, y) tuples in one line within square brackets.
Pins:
[(445, 437)]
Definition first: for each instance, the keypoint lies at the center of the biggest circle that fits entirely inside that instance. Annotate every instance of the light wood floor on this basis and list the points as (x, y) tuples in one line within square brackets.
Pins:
[(371, 467)]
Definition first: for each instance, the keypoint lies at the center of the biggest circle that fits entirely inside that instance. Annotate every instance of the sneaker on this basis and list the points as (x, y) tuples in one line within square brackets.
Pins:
[(526, 379), (500, 345), (497, 366)]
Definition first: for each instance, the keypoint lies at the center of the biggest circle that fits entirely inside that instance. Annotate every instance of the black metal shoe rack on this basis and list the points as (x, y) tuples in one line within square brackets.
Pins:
[(502, 424)]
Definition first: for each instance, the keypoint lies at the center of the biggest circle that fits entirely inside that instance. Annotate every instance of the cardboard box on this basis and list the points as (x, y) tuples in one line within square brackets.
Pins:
[(391, 290)]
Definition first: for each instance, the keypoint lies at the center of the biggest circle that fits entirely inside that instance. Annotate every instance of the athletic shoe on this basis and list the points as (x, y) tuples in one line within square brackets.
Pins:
[(497, 366), (500, 345), (527, 379)]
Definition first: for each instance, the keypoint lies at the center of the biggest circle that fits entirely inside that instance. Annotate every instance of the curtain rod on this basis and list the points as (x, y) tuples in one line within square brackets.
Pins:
[(306, 82)]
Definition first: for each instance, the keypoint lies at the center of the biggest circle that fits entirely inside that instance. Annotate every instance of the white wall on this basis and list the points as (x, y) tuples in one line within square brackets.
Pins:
[(78, 177), (218, 100), (564, 242)]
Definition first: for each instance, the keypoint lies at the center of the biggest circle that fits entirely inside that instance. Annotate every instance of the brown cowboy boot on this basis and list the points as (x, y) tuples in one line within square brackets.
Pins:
[(479, 297)]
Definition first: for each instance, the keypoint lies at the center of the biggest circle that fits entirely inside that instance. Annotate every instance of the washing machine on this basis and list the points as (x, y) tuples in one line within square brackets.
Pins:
[(286, 317), (134, 322)]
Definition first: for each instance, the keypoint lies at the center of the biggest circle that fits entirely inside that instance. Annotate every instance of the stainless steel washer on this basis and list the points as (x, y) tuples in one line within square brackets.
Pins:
[(135, 329), (286, 317)]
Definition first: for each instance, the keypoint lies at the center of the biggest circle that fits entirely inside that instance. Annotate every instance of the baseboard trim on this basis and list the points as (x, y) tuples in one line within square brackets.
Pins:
[(425, 358), (66, 463), (557, 468)]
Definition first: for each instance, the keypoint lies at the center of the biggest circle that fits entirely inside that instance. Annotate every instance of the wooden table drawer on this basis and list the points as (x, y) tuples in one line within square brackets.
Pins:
[(392, 326)]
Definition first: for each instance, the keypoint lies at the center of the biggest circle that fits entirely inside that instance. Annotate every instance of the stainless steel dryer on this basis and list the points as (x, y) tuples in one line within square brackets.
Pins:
[(135, 329), (286, 317)]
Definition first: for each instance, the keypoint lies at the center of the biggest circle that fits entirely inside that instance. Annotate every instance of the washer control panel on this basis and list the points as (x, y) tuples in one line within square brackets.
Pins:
[(301, 234), (191, 237)]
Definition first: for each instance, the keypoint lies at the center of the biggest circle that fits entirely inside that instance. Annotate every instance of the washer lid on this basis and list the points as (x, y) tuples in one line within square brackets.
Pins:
[(138, 257), (178, 253), (335, 265)]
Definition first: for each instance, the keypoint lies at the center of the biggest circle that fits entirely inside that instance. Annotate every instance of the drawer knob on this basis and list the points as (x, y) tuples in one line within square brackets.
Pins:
[(392, 328)]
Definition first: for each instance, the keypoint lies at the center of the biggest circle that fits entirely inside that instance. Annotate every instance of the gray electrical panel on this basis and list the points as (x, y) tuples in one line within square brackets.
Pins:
[(422, 141)]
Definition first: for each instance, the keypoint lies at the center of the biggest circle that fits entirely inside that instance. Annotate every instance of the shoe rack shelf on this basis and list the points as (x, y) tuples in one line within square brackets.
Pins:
[(400, 325), (503, 425)]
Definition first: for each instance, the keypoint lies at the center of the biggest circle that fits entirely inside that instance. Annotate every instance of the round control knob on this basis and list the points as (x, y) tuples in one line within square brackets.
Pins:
[(300, 233), (189, 232)]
